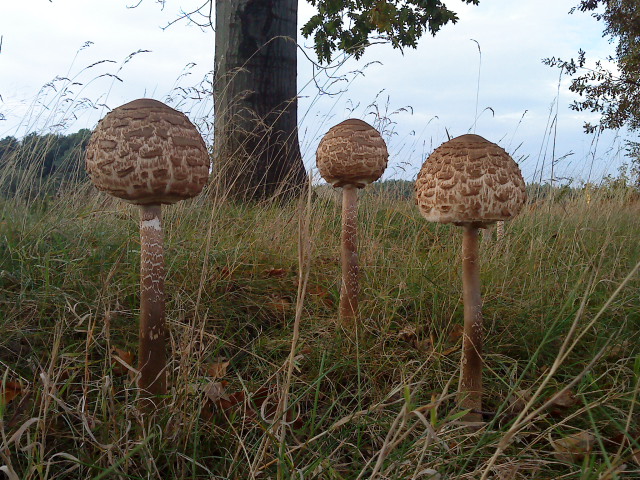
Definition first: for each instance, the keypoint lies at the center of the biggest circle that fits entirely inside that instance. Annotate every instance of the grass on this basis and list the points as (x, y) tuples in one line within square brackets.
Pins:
[(257, 286), (381, 406)]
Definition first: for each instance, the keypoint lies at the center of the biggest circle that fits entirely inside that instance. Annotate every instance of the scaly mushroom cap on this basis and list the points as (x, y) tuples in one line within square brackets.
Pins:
[(352, 153), (145, 152), (469, 180)]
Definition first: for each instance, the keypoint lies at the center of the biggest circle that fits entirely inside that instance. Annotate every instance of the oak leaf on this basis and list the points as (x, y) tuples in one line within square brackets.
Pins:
[(121, 361), (275, 272), (217, 370), (573, 448), (10, 390)]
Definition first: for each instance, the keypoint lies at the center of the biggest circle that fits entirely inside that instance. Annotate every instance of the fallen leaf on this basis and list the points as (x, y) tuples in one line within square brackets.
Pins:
[(10, 390), (328, 260), (618, 349), (215, 391), (573, 448), (279, 304), (118, 356), (408, 334), (322, 294), (223, 272), (517, 402), (614, 472), (232, 287), (231, 400), (428, 473), (425, 345), (559, 406), (451, 350), (215, 409), (456, 333), (276, 272), (217, 370)]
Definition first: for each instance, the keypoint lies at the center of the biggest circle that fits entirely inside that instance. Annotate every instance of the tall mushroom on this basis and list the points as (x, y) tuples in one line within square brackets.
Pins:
[(147, 153), (470, 182), (351, 155)]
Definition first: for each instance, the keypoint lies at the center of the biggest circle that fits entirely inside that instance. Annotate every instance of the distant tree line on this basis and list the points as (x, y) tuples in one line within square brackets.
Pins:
[(44, 155)]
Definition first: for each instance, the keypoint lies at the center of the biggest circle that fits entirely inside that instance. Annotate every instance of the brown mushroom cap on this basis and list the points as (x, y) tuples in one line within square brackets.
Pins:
[(469, 180), (145, 152), (352, 153)]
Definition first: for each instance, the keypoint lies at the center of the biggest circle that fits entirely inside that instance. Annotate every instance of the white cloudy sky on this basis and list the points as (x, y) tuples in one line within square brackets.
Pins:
[(437, 83)]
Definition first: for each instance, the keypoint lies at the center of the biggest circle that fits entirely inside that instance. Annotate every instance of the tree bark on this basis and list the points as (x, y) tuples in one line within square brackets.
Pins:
[(256, 150)]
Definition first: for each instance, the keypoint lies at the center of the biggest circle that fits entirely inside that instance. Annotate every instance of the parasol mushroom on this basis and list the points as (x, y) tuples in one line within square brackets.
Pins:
[(147, 153), (350, 156), (470, 182)]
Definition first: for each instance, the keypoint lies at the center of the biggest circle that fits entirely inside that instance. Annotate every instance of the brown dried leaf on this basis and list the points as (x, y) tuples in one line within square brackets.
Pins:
[(618, 350), (118, 356), (408, 334), (215, 391), (9, 391), (573, 448), (518, 401), (449, 351), (223, 272), (217, 370), (279, 304), (231, 401), (322, 294), (559, 406), (425, 345), (456, 333), (276, 272)]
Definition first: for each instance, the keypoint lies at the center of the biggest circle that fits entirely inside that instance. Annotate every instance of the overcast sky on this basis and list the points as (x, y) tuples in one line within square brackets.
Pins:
[(432, 90)]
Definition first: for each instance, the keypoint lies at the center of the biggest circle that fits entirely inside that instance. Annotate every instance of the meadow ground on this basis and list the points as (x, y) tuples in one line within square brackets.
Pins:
[(252, 295)]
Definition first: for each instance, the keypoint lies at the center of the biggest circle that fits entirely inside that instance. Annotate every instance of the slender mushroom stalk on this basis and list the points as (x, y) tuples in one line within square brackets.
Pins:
[(470, 386), (151, 349), (350, 282), (499, 230), (149, 154), (351, 155), (470, 182)]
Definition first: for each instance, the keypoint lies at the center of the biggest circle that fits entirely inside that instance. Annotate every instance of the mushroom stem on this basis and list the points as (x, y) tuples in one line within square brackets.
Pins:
[(349, 289), (470, 388), (151, 355)]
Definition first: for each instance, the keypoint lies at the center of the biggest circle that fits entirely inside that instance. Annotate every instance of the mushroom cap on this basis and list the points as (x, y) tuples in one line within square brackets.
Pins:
[(145, 152), (469, 180), (352, 153)]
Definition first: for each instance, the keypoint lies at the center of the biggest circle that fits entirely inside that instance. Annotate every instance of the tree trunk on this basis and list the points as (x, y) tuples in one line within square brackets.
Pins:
[(256, 150)]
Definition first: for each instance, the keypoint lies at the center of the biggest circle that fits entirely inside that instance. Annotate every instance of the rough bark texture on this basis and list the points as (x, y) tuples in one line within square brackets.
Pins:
[(152, 360), (470, 389), (350, 286), (256, 149)]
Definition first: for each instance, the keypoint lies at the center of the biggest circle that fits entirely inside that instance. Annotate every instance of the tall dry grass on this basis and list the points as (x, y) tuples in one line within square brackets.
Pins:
[(256, 285)]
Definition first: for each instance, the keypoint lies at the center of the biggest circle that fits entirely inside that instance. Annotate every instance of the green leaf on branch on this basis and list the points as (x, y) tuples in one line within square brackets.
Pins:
[(350, 26)]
